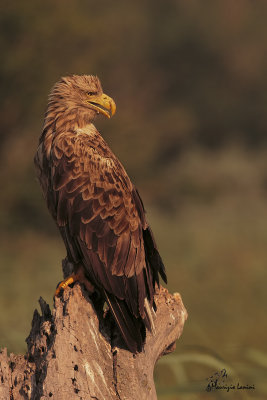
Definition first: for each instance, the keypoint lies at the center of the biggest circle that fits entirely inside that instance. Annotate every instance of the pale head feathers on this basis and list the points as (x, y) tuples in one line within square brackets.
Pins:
[(75, 88), (68, 100)]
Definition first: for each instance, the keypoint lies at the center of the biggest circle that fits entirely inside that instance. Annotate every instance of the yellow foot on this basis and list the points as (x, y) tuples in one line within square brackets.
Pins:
[(68, 281)]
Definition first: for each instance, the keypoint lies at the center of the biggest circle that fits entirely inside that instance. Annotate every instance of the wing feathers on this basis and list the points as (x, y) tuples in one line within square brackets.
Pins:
[(130, 327), (102, 220)]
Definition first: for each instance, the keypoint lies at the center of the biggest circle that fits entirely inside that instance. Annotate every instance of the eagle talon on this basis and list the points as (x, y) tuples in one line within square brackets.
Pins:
[(62, 285)]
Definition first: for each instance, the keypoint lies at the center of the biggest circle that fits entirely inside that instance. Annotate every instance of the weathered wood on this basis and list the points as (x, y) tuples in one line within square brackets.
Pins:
[(77, 353)]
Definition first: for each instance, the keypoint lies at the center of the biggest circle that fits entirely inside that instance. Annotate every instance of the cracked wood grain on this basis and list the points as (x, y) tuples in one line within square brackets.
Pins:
[(74, 352)]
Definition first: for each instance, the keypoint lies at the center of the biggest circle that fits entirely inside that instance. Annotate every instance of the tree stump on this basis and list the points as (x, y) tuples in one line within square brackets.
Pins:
[(76, 352)]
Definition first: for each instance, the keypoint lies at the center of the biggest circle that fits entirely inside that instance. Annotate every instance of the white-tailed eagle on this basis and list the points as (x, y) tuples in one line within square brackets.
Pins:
[(96, 207)]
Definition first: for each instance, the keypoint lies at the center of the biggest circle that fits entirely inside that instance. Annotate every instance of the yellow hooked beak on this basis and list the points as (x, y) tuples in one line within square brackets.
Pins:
[(102, 104)]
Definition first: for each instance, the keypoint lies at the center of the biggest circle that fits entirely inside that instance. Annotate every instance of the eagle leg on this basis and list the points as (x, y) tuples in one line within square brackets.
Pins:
[(78, 276), (68, 281)]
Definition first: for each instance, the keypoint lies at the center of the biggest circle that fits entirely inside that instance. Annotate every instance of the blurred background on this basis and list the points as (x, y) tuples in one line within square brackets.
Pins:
[(189, 79)]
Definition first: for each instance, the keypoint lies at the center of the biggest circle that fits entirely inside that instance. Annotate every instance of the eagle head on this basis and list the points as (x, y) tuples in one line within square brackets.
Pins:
[(82, 94)]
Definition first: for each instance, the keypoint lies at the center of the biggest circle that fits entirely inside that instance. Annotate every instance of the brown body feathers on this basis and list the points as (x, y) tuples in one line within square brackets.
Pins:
[(98, 210)]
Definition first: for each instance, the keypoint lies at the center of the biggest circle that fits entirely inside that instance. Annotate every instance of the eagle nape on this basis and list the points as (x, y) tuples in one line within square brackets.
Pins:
[(98, 210)]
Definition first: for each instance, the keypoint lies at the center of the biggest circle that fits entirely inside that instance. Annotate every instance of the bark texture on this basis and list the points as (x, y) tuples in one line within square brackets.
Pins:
[(74, 352)]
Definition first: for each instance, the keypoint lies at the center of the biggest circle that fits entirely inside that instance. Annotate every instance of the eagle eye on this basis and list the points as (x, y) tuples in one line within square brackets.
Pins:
[(91, 93)]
